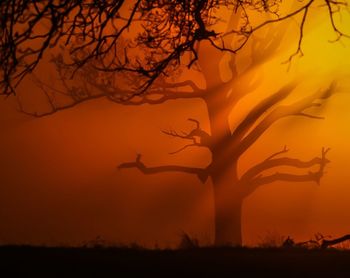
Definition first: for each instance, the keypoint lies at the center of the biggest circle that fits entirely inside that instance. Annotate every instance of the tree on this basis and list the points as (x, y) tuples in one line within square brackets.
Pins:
[(166, 37), (227, 146)]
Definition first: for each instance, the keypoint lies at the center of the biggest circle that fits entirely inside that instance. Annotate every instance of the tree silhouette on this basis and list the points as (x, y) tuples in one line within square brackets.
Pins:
[(227, 146), (108, 58), (162, 30)]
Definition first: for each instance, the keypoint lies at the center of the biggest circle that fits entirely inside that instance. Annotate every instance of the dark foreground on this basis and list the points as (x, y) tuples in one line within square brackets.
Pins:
[(202, 262)]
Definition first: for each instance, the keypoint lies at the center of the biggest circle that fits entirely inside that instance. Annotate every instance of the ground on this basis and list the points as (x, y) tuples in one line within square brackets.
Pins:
[(199, 262)]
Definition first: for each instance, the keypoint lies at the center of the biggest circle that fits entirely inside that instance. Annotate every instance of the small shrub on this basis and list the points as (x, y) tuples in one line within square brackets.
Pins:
[(187, 242), (271, 240)]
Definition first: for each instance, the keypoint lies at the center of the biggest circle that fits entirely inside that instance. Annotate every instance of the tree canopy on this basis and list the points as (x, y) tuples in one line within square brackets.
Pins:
[(145, 38)]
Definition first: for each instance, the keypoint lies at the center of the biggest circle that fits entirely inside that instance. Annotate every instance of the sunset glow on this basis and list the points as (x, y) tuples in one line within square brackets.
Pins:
[(59, 177)]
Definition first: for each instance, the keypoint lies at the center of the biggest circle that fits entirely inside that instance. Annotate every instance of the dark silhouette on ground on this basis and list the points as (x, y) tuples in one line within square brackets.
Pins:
[(326, 243), (195, 262), (318, 242)]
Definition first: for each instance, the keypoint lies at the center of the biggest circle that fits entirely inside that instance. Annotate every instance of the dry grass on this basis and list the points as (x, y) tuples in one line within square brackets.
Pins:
[(271, 239)]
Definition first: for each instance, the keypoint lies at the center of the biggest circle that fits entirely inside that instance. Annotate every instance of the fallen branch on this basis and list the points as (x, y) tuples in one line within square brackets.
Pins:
[(327, 243)]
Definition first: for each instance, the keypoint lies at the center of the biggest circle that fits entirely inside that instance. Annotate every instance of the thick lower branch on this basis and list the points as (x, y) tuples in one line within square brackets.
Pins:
[(201, 173)]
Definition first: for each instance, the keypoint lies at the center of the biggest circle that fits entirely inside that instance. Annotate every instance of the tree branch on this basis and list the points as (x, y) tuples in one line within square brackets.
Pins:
[(176, 85), (187, 146), (272, 162), (198, 136), (260, 109), (326, 243), (155, 97), (332, 7), (254, 177), (92, 89), (201, 173), (296, 109)]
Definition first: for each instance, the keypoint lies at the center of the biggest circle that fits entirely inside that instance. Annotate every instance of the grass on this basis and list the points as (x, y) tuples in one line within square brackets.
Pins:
[(271, 239), (196, 262)]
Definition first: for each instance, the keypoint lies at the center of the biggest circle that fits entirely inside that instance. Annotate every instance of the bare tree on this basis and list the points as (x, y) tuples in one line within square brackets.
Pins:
[(169, 39), (227, 146)]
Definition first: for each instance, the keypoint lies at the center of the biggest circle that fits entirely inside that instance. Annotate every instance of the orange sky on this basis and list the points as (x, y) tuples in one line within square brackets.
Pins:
[(59, 183)]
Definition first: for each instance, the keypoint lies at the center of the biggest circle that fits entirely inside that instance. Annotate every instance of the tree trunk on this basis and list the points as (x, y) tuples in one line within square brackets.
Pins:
[(223, 171), (228, 210), (228, 197)]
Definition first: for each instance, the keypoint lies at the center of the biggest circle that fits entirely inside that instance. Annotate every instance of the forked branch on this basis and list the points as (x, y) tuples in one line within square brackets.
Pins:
[(297, 108), (255, 178), (260, 109), (198, 136), (273, 162)]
